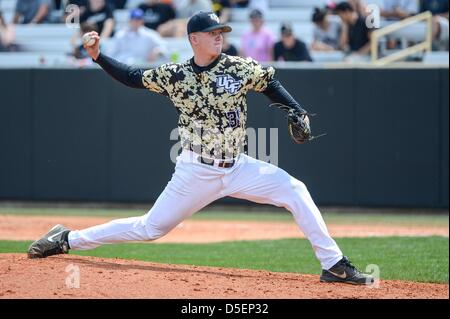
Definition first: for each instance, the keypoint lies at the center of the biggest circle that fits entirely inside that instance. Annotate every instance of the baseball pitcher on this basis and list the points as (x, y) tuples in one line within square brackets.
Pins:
[(209, 92)]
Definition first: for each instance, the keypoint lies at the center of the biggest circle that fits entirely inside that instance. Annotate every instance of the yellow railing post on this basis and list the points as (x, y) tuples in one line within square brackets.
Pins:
[(423, 46)]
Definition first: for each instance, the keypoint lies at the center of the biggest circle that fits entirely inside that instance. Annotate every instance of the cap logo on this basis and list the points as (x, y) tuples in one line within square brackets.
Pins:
[(214, 17)]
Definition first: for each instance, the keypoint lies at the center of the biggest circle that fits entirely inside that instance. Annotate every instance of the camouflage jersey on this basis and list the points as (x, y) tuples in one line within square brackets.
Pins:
[(211, 101)]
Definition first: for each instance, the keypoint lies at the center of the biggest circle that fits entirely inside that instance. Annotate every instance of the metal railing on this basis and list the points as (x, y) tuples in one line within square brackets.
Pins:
[(423, 46)]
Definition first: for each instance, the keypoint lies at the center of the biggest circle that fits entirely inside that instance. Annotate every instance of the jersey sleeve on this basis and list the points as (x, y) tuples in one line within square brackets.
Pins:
[(259, 76), (157, 80)]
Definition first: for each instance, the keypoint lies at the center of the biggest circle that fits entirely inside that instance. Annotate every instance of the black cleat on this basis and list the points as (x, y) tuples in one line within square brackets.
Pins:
[(344, 271), (53, 243)]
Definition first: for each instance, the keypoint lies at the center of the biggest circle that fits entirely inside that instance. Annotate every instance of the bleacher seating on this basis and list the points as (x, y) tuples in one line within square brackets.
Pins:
[(50, 31), (297, 3), (32, 59), (436, 58), (275, 15), (415, 33), (7, 5), (7, 8), (53, 40)]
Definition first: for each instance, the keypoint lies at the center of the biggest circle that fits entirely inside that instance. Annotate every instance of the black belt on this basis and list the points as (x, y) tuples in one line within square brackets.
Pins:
[(221, 164)]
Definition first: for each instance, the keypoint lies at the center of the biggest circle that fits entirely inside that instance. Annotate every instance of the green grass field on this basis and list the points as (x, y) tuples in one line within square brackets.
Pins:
[(424, 259), (405, 258)]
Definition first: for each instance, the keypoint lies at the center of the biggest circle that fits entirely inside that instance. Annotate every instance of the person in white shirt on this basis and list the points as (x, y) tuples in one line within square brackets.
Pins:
[(399, 9), (136, 43), (184, 10), (187, 8), (395, 10), (261, 5)]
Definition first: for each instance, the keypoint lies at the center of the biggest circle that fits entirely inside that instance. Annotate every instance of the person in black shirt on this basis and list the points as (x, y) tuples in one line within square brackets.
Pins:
[(156, 13), (228, 47), (439, 9), (240, 3), (117, 4), (79, 51), (357, 38), (80, 3), (98, 12), (222, 9), (290, 48), (73, 9)]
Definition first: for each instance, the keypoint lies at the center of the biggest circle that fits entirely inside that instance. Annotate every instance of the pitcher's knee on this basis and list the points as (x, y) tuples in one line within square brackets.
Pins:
[(154, 231), (298, 186)]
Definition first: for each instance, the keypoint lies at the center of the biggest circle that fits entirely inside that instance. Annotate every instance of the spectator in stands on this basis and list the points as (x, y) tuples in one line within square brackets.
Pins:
[(187, 8), (173, 28), (7, 37), (439, 9), (147, 45), (359, 7), (80, 3), (258, 42), (290, 48), (399, 9), (222, 9), (70, 13), (117, 4), (436, 7), (239, 3), (184, 10), (327, 33), (228, 47), (356, 39), (98, 12), (32, 11), (2, 21), (79, 52), (156, 13), (261, 5)]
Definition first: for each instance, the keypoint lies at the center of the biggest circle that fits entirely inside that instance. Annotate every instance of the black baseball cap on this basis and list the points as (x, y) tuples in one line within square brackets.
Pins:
[(343, 7), (206, 22), (256, 14), (286, 29)]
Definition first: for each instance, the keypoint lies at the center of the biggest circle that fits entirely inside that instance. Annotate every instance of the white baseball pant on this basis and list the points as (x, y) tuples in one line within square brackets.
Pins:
[(194, 185)]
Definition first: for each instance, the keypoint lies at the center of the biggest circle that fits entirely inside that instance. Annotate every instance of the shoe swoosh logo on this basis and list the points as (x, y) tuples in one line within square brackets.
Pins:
[(50, 238), (342, 276)]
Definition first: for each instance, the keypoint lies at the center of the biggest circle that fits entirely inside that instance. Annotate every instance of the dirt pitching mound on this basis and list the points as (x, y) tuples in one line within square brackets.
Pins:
[(55, 277)]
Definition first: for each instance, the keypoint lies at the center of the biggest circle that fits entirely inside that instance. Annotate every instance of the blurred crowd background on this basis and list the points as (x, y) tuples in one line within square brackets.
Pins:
[(48, 32)]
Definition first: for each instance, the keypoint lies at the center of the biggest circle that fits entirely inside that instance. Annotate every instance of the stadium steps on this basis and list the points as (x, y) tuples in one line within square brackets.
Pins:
[(436, 58), (7, 5), (41, 31), (32, 59), (275, 15)]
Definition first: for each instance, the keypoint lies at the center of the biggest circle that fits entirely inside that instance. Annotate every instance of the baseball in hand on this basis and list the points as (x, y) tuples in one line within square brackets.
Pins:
[(88, 40)]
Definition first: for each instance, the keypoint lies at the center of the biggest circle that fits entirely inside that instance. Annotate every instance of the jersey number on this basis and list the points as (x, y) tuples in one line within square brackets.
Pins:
[(233, 118)]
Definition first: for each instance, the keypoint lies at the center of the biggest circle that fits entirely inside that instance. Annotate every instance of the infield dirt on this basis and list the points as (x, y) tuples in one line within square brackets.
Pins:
[(21, 277), (116, 278)]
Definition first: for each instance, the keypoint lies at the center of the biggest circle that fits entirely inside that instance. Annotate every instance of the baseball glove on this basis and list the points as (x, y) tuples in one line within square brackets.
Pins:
[(298, 124)]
